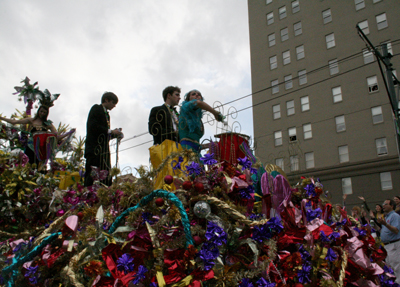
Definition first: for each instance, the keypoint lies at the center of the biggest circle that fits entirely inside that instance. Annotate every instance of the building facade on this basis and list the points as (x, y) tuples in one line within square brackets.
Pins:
[(320, 106)]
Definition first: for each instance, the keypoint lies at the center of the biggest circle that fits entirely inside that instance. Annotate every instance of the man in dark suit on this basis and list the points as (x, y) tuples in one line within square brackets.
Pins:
[(98, 135), (163, 120)]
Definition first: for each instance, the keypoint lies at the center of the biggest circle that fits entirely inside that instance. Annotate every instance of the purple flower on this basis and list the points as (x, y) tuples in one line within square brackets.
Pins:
[(387, 269), (244, 162), (323, 237), (275, 224), (140, 274), (305, 255), (304, 274), (147, 216), (260, 233), (246, 192), (334, 235), (208, 253), (331, 255), (33, 280), (30, 271), (343, 222), (360, 231), (215, 234), (193, 168), (177, 165), (312, 214), (208, 159), (125, 263), (264, 283), (310, 188), (246, 283)]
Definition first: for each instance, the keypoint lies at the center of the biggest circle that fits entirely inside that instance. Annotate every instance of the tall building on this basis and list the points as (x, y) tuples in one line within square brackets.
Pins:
[(320, 106)]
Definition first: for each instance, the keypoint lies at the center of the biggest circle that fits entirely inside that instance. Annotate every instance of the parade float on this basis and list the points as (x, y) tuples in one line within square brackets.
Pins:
[(221, 220)]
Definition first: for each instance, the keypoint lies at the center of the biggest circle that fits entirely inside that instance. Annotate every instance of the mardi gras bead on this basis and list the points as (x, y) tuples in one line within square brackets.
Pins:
[(187, 185), (202, 209), (197, 240), (168, 179), (159, 202), (199, 187)]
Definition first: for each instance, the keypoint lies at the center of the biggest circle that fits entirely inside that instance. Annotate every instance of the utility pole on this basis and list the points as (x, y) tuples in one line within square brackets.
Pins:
[(389, 82)]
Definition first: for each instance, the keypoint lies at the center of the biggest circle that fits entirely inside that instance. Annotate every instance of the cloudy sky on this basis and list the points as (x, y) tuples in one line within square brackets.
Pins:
[(133, 48)]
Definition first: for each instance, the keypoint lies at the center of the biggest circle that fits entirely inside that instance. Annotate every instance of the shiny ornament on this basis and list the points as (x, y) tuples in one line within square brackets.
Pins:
[(187, 185), (159, 202), (197, 240), (199, 187), (168, 179), (202, 209)]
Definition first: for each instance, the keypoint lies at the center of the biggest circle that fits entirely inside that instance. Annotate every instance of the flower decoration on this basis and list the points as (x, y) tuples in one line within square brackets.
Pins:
[(208, 159), (215, 234), (331, 255), (244, 162), (310, 189), (193, 168), (264, 283), (125, 263), (140, 274), (177, 164), (304, 274), (208, 253), (246, 283), (312, 214)]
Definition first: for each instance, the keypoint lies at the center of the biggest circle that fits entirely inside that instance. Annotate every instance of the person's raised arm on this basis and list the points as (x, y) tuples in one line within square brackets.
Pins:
[(16, 122), (204, 106)]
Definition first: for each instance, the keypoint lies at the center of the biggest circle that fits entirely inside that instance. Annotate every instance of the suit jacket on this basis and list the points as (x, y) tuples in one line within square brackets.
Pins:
[(160, 125), (97, 138)]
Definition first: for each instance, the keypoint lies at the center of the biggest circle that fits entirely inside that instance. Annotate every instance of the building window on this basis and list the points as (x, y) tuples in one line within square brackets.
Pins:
[(381, 21), (386, 180), (337, 94), (279, 162), (286, 57), (278, 138), (270, 18), (333, 67), (282, 12), (290, 108), (298, 30), (275, 86), (343, 153), (368, 56), (288, 82), (295, 6), (346, 185), (377, 116), (305, 103), (309, 157), (340, 124), (330, 41), (300, 52), (364, 27), (389, 47), (276, 110), (268, 2), (381, 147), (284, 34), (271, 40), (360, 4), (273, 62), (307, 131), (294, 163), (302, 77), (292, 134), (372, 84), (327, 16)]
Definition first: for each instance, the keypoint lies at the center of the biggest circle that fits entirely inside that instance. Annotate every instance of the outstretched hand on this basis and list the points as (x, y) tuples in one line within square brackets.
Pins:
[(362, 198)]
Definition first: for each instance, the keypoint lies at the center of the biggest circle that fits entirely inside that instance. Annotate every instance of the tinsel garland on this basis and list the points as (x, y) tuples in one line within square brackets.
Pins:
[(144, 201)]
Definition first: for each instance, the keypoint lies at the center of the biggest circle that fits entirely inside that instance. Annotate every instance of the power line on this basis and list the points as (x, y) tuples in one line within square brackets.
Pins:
[(348, 58)]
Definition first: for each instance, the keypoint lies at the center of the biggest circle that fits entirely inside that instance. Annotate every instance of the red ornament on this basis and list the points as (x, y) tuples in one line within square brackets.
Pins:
[(168, 179), (80, 214), (197, 240), (159, 202), (199, 187), (298, 285), (187, 185)]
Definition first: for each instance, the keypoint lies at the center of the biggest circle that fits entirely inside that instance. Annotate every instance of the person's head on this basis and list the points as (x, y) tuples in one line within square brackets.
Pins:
[(109, 100), (193, 95), (356, 210), (396, 200), (378, 208), (388, 205), (172, 95), (42, 113)]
